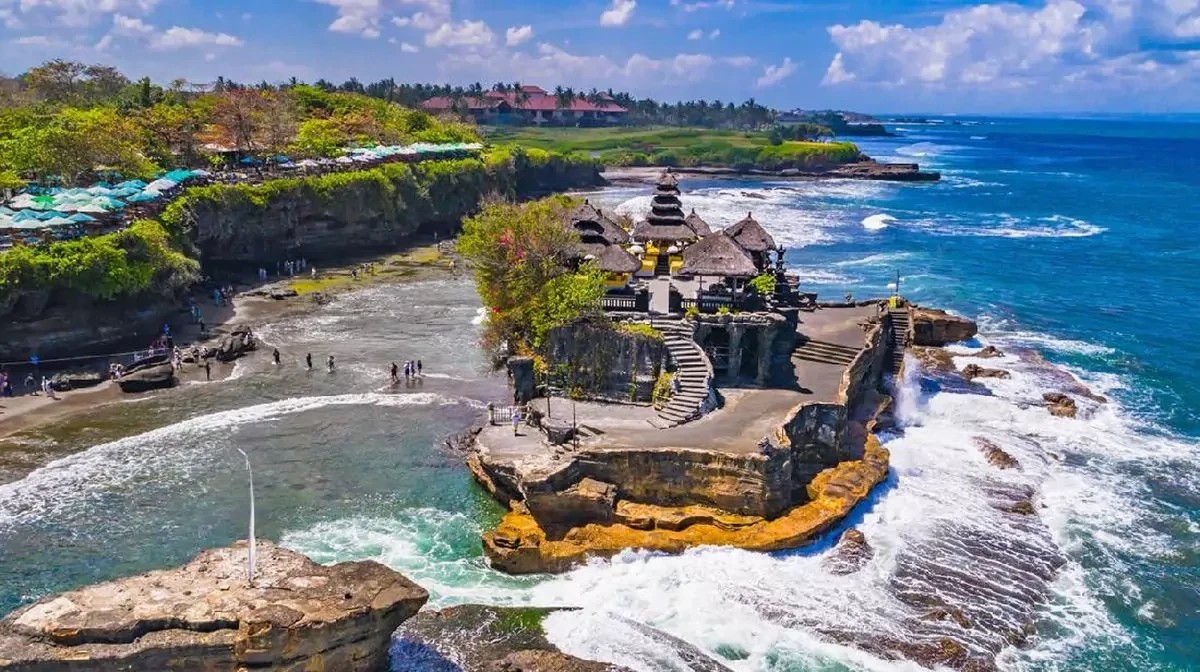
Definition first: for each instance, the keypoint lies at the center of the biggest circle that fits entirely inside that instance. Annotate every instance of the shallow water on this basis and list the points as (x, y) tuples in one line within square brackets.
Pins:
[(1071, 238)]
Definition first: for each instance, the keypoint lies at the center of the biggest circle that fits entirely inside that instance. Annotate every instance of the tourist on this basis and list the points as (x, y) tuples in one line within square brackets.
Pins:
[(216, 297), (201, 325), (395, 373), (516, 419), (308, 360), (29, 383), (314, 273), (418, 367), (329, 364), (208, 371), (275, 356)]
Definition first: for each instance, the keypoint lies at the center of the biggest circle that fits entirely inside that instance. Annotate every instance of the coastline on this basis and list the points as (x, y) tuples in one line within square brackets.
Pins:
[(865, 170), (252, 305)]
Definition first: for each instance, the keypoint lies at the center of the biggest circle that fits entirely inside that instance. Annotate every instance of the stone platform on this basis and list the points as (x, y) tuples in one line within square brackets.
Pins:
[(735, 471)]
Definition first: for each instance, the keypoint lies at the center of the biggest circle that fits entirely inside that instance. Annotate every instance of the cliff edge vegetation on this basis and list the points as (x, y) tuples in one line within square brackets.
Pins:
[(686, 147)]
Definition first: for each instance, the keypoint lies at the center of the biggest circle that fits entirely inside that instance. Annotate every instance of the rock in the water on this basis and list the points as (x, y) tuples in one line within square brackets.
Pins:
[(1023, 507), (989, 352), (477, 638), (146, 378), (933, 359), (76, 380), (938, 328), (850, 554), (973, 371), (204, 616), (996, 456), (1060, 405), (236, 343), (281, 293), (461, 442)]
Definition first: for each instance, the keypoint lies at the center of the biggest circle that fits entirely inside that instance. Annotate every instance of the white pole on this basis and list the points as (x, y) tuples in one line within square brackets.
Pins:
[(253, 555)]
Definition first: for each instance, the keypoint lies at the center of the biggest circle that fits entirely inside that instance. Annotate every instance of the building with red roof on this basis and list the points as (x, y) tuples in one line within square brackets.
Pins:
[(530, 105)]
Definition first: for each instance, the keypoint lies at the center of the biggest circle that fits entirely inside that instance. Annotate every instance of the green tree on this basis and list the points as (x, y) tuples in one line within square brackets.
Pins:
[(320, 137)]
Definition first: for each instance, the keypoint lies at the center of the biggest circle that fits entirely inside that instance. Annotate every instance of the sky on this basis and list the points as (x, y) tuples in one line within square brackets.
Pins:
[(935, 56)]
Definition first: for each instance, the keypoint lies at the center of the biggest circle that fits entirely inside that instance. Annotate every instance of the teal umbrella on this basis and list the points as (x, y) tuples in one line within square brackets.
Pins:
[(144, 197), (80, 218)]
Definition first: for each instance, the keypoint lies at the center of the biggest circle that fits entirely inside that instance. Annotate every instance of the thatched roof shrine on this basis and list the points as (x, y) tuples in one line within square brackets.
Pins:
[(718, 255), (751, 236)]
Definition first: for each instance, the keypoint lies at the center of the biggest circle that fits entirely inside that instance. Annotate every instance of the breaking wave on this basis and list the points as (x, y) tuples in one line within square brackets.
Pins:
[(877, 222)]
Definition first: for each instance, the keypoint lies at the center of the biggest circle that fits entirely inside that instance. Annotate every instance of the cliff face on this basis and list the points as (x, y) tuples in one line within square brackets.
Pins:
[(604, 362), (204, 616)]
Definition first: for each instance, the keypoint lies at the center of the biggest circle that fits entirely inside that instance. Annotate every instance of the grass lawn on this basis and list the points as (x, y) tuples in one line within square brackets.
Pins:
[(671, 146)]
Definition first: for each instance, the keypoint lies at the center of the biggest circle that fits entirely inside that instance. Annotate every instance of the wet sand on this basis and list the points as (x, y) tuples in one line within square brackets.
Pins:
[(251, 306)]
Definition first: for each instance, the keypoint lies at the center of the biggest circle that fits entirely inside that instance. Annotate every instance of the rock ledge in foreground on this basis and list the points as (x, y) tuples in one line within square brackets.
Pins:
[(203, 616)]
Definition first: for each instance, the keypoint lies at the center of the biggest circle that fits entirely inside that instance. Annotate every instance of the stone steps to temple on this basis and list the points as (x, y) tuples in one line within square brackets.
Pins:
[(691, 373), (825, 352), (901, 323)]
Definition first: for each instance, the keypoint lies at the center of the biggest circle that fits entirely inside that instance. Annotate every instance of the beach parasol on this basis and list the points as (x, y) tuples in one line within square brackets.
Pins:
[(93, 208), (80, 218), (178, 175), (57, 221), (43, 202), (131, 184), (49, 214), (161, 185), (145, 196)]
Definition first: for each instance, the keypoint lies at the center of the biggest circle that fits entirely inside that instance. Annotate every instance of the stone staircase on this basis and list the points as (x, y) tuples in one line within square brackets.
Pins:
[(812, 350), (691, 370), (901, 324)]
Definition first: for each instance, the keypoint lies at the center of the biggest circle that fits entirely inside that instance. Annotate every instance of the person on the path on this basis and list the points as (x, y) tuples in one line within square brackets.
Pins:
[(275, 356), (395, 373), (29, 383), (216, 296), (208, 371), (516, 419), (314, 272), (308, 361), (329, 364), (418, 367), (201, 326)]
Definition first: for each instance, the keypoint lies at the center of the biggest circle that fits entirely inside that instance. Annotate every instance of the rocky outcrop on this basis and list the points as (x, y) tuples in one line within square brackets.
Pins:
[(54, 325), (996, 456), (149, 377), (936, 328), (973, 371), (602, 362), (1060, 405), (934, 360), (239, 341), (76, 380), (850, 555), (475, 638), (588, 501), (204, 616), (988, 352), (521, 375), (520, 546)]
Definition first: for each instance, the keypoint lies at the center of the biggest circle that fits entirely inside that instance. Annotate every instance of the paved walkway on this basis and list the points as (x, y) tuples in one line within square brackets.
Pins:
[(747, 416)]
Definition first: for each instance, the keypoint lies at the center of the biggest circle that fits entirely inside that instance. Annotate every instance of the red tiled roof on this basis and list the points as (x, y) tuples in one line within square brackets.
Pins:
[(536, 102)]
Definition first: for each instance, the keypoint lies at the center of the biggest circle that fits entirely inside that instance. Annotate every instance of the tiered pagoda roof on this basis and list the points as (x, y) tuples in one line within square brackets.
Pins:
[(600, 240), (750, 235), (666, 222)]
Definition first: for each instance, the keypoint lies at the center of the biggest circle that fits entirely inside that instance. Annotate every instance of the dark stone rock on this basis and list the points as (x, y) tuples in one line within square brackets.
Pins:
[(520, 370), (937, 327), (76, 380), (146, 378), (464, 441), (1060, 405), (973, 371), (989, 352), (850, 555), (281, 293), (996, 456), (239, 341)]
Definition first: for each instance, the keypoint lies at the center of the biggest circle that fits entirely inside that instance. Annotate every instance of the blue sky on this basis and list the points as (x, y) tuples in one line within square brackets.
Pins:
[(880, 55)]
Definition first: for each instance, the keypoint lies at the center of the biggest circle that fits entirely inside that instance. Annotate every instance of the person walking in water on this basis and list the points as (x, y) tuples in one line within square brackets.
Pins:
[(208, 371), (275, 356), (418, 367), (308, 360), (395, 373), (330, 364)]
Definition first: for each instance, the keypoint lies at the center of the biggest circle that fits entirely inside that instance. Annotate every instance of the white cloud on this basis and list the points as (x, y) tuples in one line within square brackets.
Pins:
[(363, 17), (738, 61), (68, 13), (409, 48), (774, 74), (714, 34), (696, 34), (103, 43), (702, 4), (36, 41), (130, 26), (514, 35), (462, 34), (178, 37), (618, 13), (1059, 43)]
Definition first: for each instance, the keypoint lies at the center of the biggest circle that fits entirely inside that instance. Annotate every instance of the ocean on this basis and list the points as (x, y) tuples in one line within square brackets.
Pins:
[(1068, 240)]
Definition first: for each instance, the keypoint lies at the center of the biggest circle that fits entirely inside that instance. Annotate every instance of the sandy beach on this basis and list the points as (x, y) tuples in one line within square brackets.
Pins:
[(252, 304)]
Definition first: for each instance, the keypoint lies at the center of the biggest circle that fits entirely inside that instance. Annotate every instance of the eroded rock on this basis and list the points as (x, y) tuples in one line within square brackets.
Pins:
[(205, 616), (988, 352), (146, 378), (973, 371), (851, 553), (239, 341), (996, 456), (934, 327), (1060, 405)]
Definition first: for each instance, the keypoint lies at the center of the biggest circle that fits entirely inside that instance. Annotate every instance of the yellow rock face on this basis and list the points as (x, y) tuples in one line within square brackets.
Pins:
[(519, 546)]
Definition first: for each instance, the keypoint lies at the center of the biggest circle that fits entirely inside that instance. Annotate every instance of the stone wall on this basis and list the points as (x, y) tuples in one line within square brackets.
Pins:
[(765, 338), (599, 361)]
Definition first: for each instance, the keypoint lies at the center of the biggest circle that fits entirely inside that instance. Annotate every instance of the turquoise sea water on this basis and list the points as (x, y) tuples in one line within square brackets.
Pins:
[(1069, 237)]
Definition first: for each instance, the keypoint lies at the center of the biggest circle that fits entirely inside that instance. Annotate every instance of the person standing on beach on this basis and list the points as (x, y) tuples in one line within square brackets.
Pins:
[(308, 361), (208, 371), (395, 373), (330, 364), (275, 356), (418, 367), (516, 419)]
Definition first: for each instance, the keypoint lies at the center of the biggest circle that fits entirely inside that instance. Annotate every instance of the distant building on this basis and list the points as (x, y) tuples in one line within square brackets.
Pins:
[(530, 105)]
